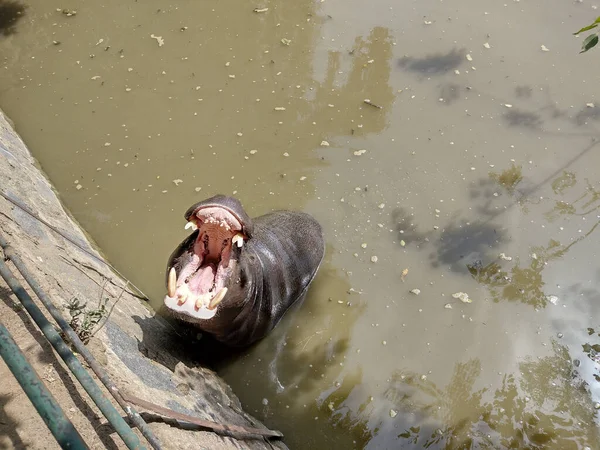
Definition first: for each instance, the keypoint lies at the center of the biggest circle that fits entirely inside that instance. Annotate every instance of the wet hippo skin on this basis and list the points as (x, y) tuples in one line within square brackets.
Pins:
[(235, 277)]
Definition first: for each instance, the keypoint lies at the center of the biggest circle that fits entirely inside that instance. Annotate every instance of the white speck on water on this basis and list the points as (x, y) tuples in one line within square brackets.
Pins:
[(402, 243), (359, 152), (286, 154), (552, 299), (393, 413), (253, 152), (487, 45), (590, 105), (324, 144), (463, 297), (415, 291), (448, 306), (545, 49), (159, 39), (177, 182), (302, 178), (469, 57), (508, 105), (363, 245), (374, 259), (279, 108), (504, 257)]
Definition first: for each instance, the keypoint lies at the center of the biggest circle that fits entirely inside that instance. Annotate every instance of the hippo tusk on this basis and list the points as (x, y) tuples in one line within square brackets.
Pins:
[(217, 298), (172, 284), (191, 225), (239, 239)]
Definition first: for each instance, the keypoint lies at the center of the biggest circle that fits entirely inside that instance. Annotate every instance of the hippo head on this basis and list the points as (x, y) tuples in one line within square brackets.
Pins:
[(201, 269)]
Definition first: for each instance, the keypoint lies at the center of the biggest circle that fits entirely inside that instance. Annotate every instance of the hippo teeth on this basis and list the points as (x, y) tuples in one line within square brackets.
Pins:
[(217, 298), (181, 299), (191, 225), (172, 284), (239, 239)]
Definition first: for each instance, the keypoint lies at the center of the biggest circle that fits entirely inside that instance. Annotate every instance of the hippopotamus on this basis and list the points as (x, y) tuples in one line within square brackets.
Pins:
[(235, 277)]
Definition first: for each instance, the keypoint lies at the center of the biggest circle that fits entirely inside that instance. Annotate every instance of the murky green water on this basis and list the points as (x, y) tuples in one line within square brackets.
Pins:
[(479, 175)]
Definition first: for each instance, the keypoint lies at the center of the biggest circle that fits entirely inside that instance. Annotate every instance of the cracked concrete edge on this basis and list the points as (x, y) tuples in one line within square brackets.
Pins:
[(140, 351)]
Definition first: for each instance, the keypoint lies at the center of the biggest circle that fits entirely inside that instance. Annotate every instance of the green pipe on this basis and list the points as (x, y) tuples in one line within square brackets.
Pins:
[(112, 415), (60, 426), (80, 347)]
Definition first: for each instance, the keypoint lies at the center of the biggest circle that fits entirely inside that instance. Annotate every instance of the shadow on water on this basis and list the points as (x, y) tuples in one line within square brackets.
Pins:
[(438, 64), (10, 13)]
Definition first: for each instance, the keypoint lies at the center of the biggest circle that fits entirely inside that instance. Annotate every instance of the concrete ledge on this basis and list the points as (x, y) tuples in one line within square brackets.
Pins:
[(143, 354)]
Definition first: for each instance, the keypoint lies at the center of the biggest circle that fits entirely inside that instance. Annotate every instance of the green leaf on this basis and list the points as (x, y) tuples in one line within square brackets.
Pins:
[(589, 42), (589, 27), (597, 20)]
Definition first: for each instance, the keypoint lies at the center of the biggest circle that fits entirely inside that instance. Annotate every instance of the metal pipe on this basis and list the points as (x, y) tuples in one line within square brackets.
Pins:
[(107, 408), (135, 417), (60, 426)]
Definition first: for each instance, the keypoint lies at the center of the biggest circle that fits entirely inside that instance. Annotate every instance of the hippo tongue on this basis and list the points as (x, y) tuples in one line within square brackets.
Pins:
[(203, 280)]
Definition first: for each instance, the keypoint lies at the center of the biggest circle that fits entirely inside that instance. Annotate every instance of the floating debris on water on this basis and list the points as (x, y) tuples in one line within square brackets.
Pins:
[(415, 291), (177, 182), (403, 274), (159, 39), (508, 105), (504, 257), (487, 45), (359, 152), (402, 244), (279, 108), (590, 105), (463, 297), (67, 12), (393, 413), (552, 299), (370, 103), (448, 306), (324, 144), (285, 41), (260, 10), (363, 245), (545, 49), (469, 57), (374, 259)]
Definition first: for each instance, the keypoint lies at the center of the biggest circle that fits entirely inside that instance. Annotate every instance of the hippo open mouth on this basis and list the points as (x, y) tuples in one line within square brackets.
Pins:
[(197, 285)]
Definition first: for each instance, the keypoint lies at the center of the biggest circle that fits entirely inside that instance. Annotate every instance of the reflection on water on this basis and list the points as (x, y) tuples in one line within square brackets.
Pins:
[(475, 172)]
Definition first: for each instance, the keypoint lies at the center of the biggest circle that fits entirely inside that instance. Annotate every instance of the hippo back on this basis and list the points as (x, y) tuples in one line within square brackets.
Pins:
[(278, 264)]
